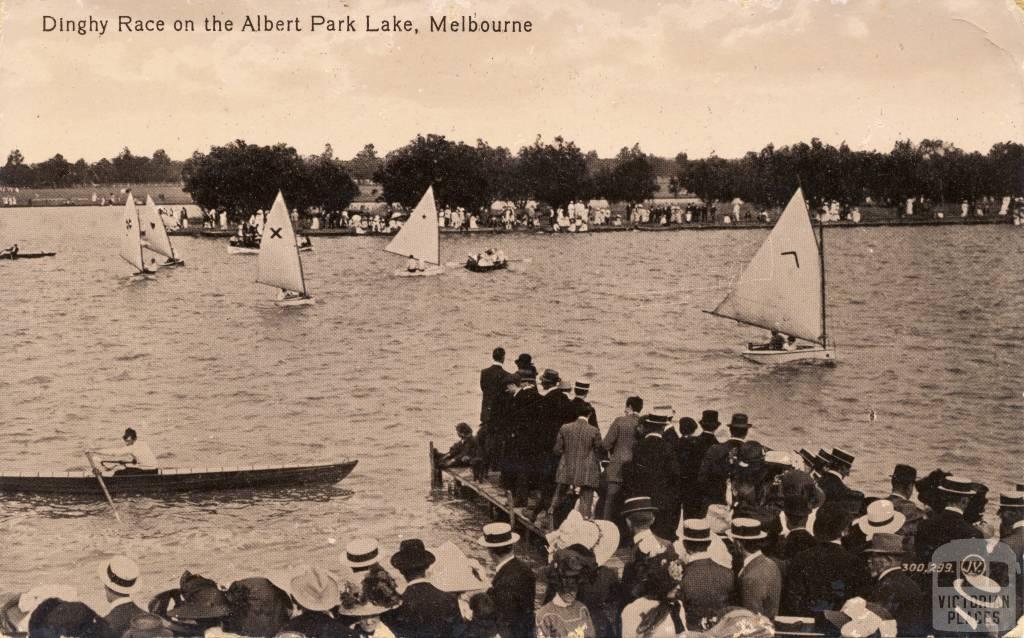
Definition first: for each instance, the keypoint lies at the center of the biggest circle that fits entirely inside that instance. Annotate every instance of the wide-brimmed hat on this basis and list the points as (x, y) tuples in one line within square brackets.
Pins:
[(28, 601), (360, 553), (314, 589), (709, 419), (600, 536), (637, 504), (498, 535), (1011, 501), (455, 572), (697, 530), (581, 387), (203, 604), (861, 619), (746, 529), (412, 555), (881, 518), (886, 543), (904, 473), (956, 485), (739, 421), (979, 590), (550, 377), (147, 626), (119, 574)]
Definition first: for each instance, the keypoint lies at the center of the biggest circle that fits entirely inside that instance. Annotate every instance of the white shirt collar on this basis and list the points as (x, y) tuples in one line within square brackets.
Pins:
[(639, 536), (736, 438), (503, 562), (1018, 524), (698, 556), (498, 363), (750, 558), (897, 568), (954, 508), (650, 434), (837, 541), (834, 473), (421, 579)]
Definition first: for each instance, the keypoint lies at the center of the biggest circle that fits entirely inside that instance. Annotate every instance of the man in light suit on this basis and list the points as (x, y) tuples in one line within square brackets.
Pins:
[(760, 580), (514, 586)]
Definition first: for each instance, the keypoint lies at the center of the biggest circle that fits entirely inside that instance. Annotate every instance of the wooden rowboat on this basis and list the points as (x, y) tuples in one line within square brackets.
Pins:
[(169, 480)]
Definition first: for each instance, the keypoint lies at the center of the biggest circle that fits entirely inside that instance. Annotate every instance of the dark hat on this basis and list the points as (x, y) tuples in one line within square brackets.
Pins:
[(750, 454), (203, 604), (885, 543), (412, 554), (525, 375), (842, 460), (956, 485), (524, 361), (1011, 501), (739, 421), (550, 377), (687, 425), (809, 457), (697, 530), (637, 504), (746, 529), (709, 419), (581, 387), (904, 473)]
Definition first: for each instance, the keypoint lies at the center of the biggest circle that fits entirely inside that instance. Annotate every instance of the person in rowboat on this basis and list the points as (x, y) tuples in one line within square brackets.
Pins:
[(141, 459), (11, 252)]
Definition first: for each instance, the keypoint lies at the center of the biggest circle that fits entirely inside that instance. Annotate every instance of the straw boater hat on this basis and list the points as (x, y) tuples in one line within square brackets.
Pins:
[(361, 553), (884, 543), (842, 460), (697, 530), (657, 421), (455, 572), (314, 589), (861, 619), (600, 537), (881, 519), (746, 529), (119, 574), (637, 504), (581, 388), (498, 535), (956, 485), (1011, 501)]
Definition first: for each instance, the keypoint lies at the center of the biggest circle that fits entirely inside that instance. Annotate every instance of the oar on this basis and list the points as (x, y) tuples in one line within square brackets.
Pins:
[(106, 492)]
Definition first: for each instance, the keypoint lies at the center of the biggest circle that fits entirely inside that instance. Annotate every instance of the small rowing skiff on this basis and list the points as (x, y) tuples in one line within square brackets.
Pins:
[(168, 480), (25, 255), (473, 265)]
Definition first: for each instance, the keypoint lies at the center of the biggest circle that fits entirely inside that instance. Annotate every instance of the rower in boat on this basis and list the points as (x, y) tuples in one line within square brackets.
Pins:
[(777, 341), (10, 253), (414, 265), (134, 457)]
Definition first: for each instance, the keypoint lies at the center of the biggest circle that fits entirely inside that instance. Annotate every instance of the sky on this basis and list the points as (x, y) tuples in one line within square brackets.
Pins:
[(693, 76)]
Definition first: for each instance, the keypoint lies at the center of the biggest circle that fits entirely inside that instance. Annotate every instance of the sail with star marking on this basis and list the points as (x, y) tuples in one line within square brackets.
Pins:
[(781, 287), (131, 239), (420, 236), (279, 264)]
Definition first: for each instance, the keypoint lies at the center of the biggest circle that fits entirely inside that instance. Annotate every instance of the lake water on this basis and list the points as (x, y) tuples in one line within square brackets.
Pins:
[(928, 323)]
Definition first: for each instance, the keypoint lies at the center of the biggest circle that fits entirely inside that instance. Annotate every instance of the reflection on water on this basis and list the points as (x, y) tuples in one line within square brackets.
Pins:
[(927, 322)]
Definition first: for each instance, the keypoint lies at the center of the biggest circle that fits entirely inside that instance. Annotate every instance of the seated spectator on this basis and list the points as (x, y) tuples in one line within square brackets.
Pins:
[(55, 618)]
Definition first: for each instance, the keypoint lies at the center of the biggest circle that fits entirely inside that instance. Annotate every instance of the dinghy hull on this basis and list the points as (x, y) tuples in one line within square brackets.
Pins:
[(242, 250), (430, 271), (295, 301), (808, 354)]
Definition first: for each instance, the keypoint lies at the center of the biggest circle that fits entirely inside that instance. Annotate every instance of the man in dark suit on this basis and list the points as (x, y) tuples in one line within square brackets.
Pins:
[(826, 575), (715, 468), (523, 419), (903, 479), (947, 524), (894, 589), (760, 580), (654, 472), (554, 410), (707, 586), (836, 468), (120, 576), (640, 514), (514, 586), (426, 611), (693, 498), (492, 384)]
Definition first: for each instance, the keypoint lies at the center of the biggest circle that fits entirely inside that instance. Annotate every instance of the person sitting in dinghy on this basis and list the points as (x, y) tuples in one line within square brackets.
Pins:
[(134, 458), (10, 253), (414, 265)]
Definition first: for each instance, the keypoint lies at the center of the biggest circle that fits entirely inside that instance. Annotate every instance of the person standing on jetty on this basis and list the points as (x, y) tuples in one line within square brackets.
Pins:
[(578, 444), (654, 471), (703, 442), (555, 409), (618, 443), (715, 468), (492, 383)]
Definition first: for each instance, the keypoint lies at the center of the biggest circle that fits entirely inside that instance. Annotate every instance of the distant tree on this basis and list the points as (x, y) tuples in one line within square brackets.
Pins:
[(365, 164), (1006, 160), (632, 179), (162, 169), (555, 174), (329, 185), (15, 172), (709, 179), (460, 174), (54, 172)]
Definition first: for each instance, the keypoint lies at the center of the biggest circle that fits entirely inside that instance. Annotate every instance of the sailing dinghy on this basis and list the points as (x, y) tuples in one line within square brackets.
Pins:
[(420, 239), (131, 238), (783, 288), (279, 263), (154, 235)]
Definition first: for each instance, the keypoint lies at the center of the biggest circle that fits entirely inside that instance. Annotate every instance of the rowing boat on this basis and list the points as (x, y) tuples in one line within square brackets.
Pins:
[(25, 255), (169, 480)]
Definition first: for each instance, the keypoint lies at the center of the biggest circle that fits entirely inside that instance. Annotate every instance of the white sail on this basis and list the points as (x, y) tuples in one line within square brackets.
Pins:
[(781, 286), (419, 235), (153, 231), (279, 264), (131, 240)]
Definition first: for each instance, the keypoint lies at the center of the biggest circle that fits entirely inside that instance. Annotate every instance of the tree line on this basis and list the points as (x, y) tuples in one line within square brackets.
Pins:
[(245, 177)]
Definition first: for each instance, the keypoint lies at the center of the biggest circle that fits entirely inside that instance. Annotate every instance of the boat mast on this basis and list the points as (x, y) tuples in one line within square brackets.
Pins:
[(302, 274), (821, 259)]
